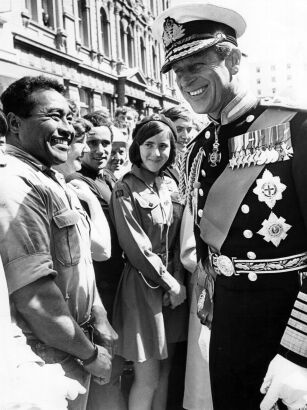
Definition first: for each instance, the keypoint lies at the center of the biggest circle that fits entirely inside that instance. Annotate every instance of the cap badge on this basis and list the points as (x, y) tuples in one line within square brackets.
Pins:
[(172, 31)]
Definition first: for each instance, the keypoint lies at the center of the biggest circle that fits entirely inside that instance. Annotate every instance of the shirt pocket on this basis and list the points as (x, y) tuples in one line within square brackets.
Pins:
[(66, 237), (150, 210)]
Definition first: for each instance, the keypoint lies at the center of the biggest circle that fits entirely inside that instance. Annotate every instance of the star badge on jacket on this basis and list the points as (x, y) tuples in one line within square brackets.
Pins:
[(269, 189), (274, 229)]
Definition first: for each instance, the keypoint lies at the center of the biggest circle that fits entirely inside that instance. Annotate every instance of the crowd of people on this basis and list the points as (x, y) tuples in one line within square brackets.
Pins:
[(121, 239), (90, 238)]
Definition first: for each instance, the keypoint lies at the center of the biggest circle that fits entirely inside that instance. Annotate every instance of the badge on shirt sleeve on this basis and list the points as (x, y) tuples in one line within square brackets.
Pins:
[(269, 189)]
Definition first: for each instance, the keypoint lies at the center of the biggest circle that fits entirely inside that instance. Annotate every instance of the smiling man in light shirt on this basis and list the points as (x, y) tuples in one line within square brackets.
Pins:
[(45, 238)]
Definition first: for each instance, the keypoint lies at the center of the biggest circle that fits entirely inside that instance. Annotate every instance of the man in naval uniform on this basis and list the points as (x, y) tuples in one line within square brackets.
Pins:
[(245, 187)]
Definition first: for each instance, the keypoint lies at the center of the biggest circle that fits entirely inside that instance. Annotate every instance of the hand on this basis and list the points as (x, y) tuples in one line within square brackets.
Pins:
[(101, 367), (177, 295), (204, 297), (104, 334), (82, 190), (286, 381)]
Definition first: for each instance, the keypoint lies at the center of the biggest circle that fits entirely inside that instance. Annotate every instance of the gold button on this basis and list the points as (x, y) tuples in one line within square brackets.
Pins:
[(200, 213), (201, 192), (203, 172), (252, 276), (251, 255), (207, 135), (247, 234), (245, 209), (250, 118)]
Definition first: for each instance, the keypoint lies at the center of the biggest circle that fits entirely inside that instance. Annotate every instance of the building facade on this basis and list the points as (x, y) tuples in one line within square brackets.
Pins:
[(102, 51)]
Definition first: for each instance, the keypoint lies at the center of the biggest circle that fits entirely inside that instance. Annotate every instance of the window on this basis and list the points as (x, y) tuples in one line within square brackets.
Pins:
[(143, 56), (42, 11), (106, 101), (258, 69), (258, 81), (31, 6), (122, 42), (85, 100), (154, 63), (273, 90), (152, 6), (273, 79), (273, 67), (48, 14), (130, 48), (105, 29), (288, 66), (83, 23), (259, 92), (289, 77), (170, 79)]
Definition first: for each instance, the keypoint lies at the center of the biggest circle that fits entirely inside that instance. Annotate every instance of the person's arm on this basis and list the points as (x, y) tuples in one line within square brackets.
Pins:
[(42, 305), (100, 231)]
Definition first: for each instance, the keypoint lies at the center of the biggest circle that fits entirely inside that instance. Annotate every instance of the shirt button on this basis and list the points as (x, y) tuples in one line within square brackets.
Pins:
[(245, 209), (200, 213), (201, 192), (247, 234), (207, 135), (251, 255), (250, 118), (203, 172)]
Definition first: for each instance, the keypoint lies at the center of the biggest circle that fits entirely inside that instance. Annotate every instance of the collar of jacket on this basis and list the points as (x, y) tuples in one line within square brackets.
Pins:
[(28, 158), (238, 106), (144, 175)]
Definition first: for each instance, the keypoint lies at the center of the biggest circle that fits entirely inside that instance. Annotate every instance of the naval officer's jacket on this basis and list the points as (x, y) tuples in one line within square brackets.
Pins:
[(270, 220)]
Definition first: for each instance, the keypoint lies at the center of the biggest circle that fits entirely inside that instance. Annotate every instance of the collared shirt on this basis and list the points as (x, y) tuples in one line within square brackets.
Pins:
[(238, 106), (45, 232)]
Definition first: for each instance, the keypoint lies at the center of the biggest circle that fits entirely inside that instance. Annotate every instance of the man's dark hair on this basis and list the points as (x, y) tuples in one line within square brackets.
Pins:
[(177, 113), (98, 120), (17, 97), (148, 130)]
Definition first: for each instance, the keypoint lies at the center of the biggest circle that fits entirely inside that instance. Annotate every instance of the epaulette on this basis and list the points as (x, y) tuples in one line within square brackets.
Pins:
[(282, 104)]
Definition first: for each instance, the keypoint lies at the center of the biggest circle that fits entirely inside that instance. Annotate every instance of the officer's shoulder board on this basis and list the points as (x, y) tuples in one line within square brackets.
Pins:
[(283, 104)]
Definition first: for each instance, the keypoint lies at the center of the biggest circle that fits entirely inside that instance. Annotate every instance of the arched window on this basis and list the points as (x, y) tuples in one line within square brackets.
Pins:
[(105, 29), (130, 48), (83, 23), (143, 56)]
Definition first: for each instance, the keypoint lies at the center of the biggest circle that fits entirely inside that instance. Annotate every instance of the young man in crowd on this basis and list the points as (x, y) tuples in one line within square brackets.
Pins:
[(126, 116), (246, 191), (45, 238)]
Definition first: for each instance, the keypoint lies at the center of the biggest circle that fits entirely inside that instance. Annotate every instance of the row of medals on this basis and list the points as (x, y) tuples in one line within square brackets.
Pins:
[(258, 156)]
